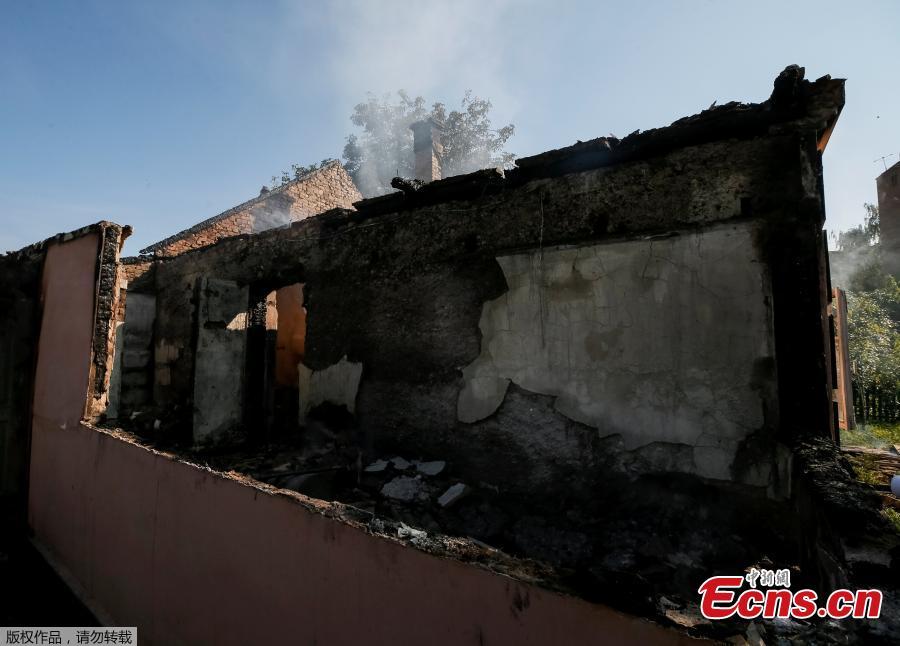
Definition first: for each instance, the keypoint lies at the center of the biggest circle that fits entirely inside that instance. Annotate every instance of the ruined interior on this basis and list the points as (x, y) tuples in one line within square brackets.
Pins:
[(610, 365)]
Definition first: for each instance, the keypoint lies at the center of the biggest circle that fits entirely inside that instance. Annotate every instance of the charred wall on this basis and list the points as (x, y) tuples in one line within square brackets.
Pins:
[(400, 287)]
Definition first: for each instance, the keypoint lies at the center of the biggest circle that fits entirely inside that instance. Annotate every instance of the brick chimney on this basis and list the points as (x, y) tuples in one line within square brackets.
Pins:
[(428, 148)]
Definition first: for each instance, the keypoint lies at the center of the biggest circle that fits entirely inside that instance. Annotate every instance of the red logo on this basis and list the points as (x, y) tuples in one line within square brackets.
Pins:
[(721, 597)]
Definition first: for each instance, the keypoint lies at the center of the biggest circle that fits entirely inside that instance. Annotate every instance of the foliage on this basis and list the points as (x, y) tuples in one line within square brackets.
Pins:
[(862, 235), (874, 341), (868, 274), (384, 147), (858, 265), (864, 472), (873, 323), (893, 517), (296, 172)]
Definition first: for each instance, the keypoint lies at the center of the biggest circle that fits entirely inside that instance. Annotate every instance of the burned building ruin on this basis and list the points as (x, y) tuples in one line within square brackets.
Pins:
[(579, 386)]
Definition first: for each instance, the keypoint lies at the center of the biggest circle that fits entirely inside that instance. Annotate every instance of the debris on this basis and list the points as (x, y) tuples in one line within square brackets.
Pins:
[(400, 464), (407, 185), (482, 544), (489, 486), (755, 635), (431, 468), (377, 467), (688, 616), (453, 494), (296, 482), (157, 424), (405, 531), (319, 484), (303, 472), (683, 559), (403, 488)]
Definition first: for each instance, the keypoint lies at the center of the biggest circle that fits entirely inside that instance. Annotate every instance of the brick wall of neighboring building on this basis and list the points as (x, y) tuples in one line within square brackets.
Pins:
[(326, 188), (888, 184), (225, 228)]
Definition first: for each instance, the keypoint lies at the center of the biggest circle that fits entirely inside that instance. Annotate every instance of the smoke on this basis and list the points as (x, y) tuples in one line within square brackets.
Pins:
[(859, 259), (425, 47), (270, 220), (437, 50), (275, 211), (849, 265)]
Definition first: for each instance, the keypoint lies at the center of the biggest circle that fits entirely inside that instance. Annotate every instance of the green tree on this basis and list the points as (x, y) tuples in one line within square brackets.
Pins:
[(873, 313), (857, 262), (863, 235), (383, 148), (874, 340)]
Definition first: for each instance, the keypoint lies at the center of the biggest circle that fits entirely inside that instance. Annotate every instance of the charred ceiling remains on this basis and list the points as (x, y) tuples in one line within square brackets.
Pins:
[(603, 359)]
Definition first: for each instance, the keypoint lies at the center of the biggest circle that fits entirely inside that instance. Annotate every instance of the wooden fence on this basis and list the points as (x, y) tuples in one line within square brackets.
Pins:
[(878, 405)]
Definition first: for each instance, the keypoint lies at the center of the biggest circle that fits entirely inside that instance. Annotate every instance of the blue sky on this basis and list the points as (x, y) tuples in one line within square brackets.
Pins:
[(160, 114)]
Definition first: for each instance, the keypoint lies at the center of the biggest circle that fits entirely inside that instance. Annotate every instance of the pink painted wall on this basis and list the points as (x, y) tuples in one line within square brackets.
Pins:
[(195, 557), (64, 350), (60, 392)]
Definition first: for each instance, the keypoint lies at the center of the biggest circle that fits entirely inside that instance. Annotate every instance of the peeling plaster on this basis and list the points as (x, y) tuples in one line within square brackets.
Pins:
[(336, 384), (653, 340)]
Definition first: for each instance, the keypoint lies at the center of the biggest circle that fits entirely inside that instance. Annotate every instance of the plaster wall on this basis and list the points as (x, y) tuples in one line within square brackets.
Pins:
[(115, 376), (337, 384), (660, 340), (134, 343), (221, 351)]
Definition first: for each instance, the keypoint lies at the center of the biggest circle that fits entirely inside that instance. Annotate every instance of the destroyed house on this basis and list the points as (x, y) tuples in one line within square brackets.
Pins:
[(533, 406)]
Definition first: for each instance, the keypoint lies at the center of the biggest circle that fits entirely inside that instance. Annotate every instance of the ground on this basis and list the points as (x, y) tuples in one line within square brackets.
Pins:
[(31, 593), (876, 435)]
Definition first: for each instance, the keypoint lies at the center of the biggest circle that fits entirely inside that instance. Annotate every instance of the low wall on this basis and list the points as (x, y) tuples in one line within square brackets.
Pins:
[(196, 557)]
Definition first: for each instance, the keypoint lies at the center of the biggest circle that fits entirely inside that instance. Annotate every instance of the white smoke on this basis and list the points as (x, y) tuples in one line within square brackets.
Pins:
[(845, 264), (425, 47), (274, 211), (437, 50)]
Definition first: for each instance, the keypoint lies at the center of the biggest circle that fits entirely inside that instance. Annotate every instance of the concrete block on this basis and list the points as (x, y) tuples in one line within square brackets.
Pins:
[(404, 488), (430, 468), (453, 495)]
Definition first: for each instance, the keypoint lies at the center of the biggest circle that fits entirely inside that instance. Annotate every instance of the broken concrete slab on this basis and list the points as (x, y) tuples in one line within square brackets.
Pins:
[(400, 464), (404, 488), (453, 494), (431, 468), (377, 467)]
